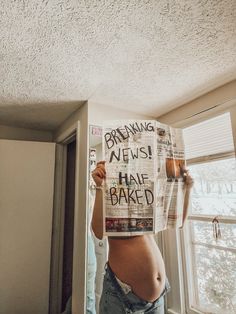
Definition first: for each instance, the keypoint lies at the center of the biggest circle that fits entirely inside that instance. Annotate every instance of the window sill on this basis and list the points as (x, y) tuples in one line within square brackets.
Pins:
[(191, 311), (172, 312)]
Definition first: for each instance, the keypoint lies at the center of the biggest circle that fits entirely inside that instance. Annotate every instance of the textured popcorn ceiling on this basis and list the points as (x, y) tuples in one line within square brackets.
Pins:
[(146, 56)]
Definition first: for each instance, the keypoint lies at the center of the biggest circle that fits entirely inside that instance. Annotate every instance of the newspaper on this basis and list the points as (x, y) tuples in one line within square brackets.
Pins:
[(144, 186)]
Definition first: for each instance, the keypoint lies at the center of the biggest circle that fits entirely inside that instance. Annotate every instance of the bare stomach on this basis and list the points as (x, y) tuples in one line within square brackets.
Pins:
[(137, 261)]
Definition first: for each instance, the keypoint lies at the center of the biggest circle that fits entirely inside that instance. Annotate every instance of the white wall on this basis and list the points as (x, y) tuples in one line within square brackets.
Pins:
[(13, 133), (99, 113), (26, 206), (98, 151)]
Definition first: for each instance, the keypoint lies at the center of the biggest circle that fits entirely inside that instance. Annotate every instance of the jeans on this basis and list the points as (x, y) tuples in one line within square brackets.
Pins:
[(115, 301)]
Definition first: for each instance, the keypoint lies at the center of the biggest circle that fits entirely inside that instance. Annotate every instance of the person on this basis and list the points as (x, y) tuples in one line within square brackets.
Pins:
[(135, 279)]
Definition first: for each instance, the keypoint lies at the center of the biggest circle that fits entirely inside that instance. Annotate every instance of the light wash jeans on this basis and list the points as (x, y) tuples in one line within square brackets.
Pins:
[(115, 301)]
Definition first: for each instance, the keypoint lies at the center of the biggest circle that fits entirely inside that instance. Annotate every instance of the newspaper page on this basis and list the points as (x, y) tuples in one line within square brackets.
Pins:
[(170, 179), (144, 188), (176, 163), (163, 189), (129, 197)]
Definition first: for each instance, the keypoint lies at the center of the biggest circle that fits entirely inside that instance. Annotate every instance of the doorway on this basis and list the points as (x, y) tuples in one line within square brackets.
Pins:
[(61, 273)]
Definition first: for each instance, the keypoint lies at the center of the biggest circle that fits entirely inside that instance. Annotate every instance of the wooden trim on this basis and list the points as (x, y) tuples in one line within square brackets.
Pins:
[(63, 137), (194, 269), (190, 311), (189, 258), (195, 311), (57, 231), (77, 294), (185, 267), (188, 264), (80, 218), (217, 101), (58, 220), (181, 269), (215, 157), (222, 219), (170, 311), (80, 225)]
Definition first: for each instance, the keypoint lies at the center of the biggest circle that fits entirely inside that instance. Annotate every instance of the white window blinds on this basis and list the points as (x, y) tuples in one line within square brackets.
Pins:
[(210, 137)]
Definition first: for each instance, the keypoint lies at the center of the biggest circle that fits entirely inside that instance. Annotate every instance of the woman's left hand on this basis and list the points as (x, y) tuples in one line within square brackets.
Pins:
[(188, 181)]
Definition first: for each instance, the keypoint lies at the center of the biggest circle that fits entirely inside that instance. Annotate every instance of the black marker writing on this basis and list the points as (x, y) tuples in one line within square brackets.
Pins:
[(125, 154), (126, 195), (120, 134), (132, 179)]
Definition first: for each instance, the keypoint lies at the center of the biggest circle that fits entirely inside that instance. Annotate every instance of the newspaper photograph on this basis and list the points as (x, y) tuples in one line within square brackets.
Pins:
[(144, 183)]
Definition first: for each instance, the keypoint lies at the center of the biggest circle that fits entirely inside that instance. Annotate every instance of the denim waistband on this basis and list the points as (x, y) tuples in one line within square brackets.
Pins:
[(124, 297)]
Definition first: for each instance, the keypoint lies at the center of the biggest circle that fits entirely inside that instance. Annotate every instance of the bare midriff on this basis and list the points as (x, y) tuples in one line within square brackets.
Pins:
[(137, 261)]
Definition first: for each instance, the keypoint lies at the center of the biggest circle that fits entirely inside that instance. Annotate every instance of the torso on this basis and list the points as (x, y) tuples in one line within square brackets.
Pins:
[(137, 261)]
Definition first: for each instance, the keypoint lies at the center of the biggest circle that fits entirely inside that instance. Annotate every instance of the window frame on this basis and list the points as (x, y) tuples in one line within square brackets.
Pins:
[(185, 238), (173, 242)]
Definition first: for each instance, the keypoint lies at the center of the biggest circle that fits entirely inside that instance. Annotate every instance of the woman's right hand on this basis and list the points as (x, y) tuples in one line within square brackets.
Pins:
[(99, 173)]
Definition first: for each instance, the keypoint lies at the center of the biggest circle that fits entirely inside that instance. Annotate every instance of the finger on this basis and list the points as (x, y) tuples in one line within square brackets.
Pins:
[(96, 173), (102, 162), (101, 166), (101, 169), (100, 173)]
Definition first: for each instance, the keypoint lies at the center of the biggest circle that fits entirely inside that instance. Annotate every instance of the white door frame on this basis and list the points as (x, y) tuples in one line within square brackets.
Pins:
[(80, 228), (55, 293)]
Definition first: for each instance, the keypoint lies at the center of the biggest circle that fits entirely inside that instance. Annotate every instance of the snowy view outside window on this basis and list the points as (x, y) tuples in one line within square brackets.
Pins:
[(214, 262)]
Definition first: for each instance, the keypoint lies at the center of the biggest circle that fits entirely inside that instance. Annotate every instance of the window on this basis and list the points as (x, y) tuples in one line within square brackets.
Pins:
[(211, 262)]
